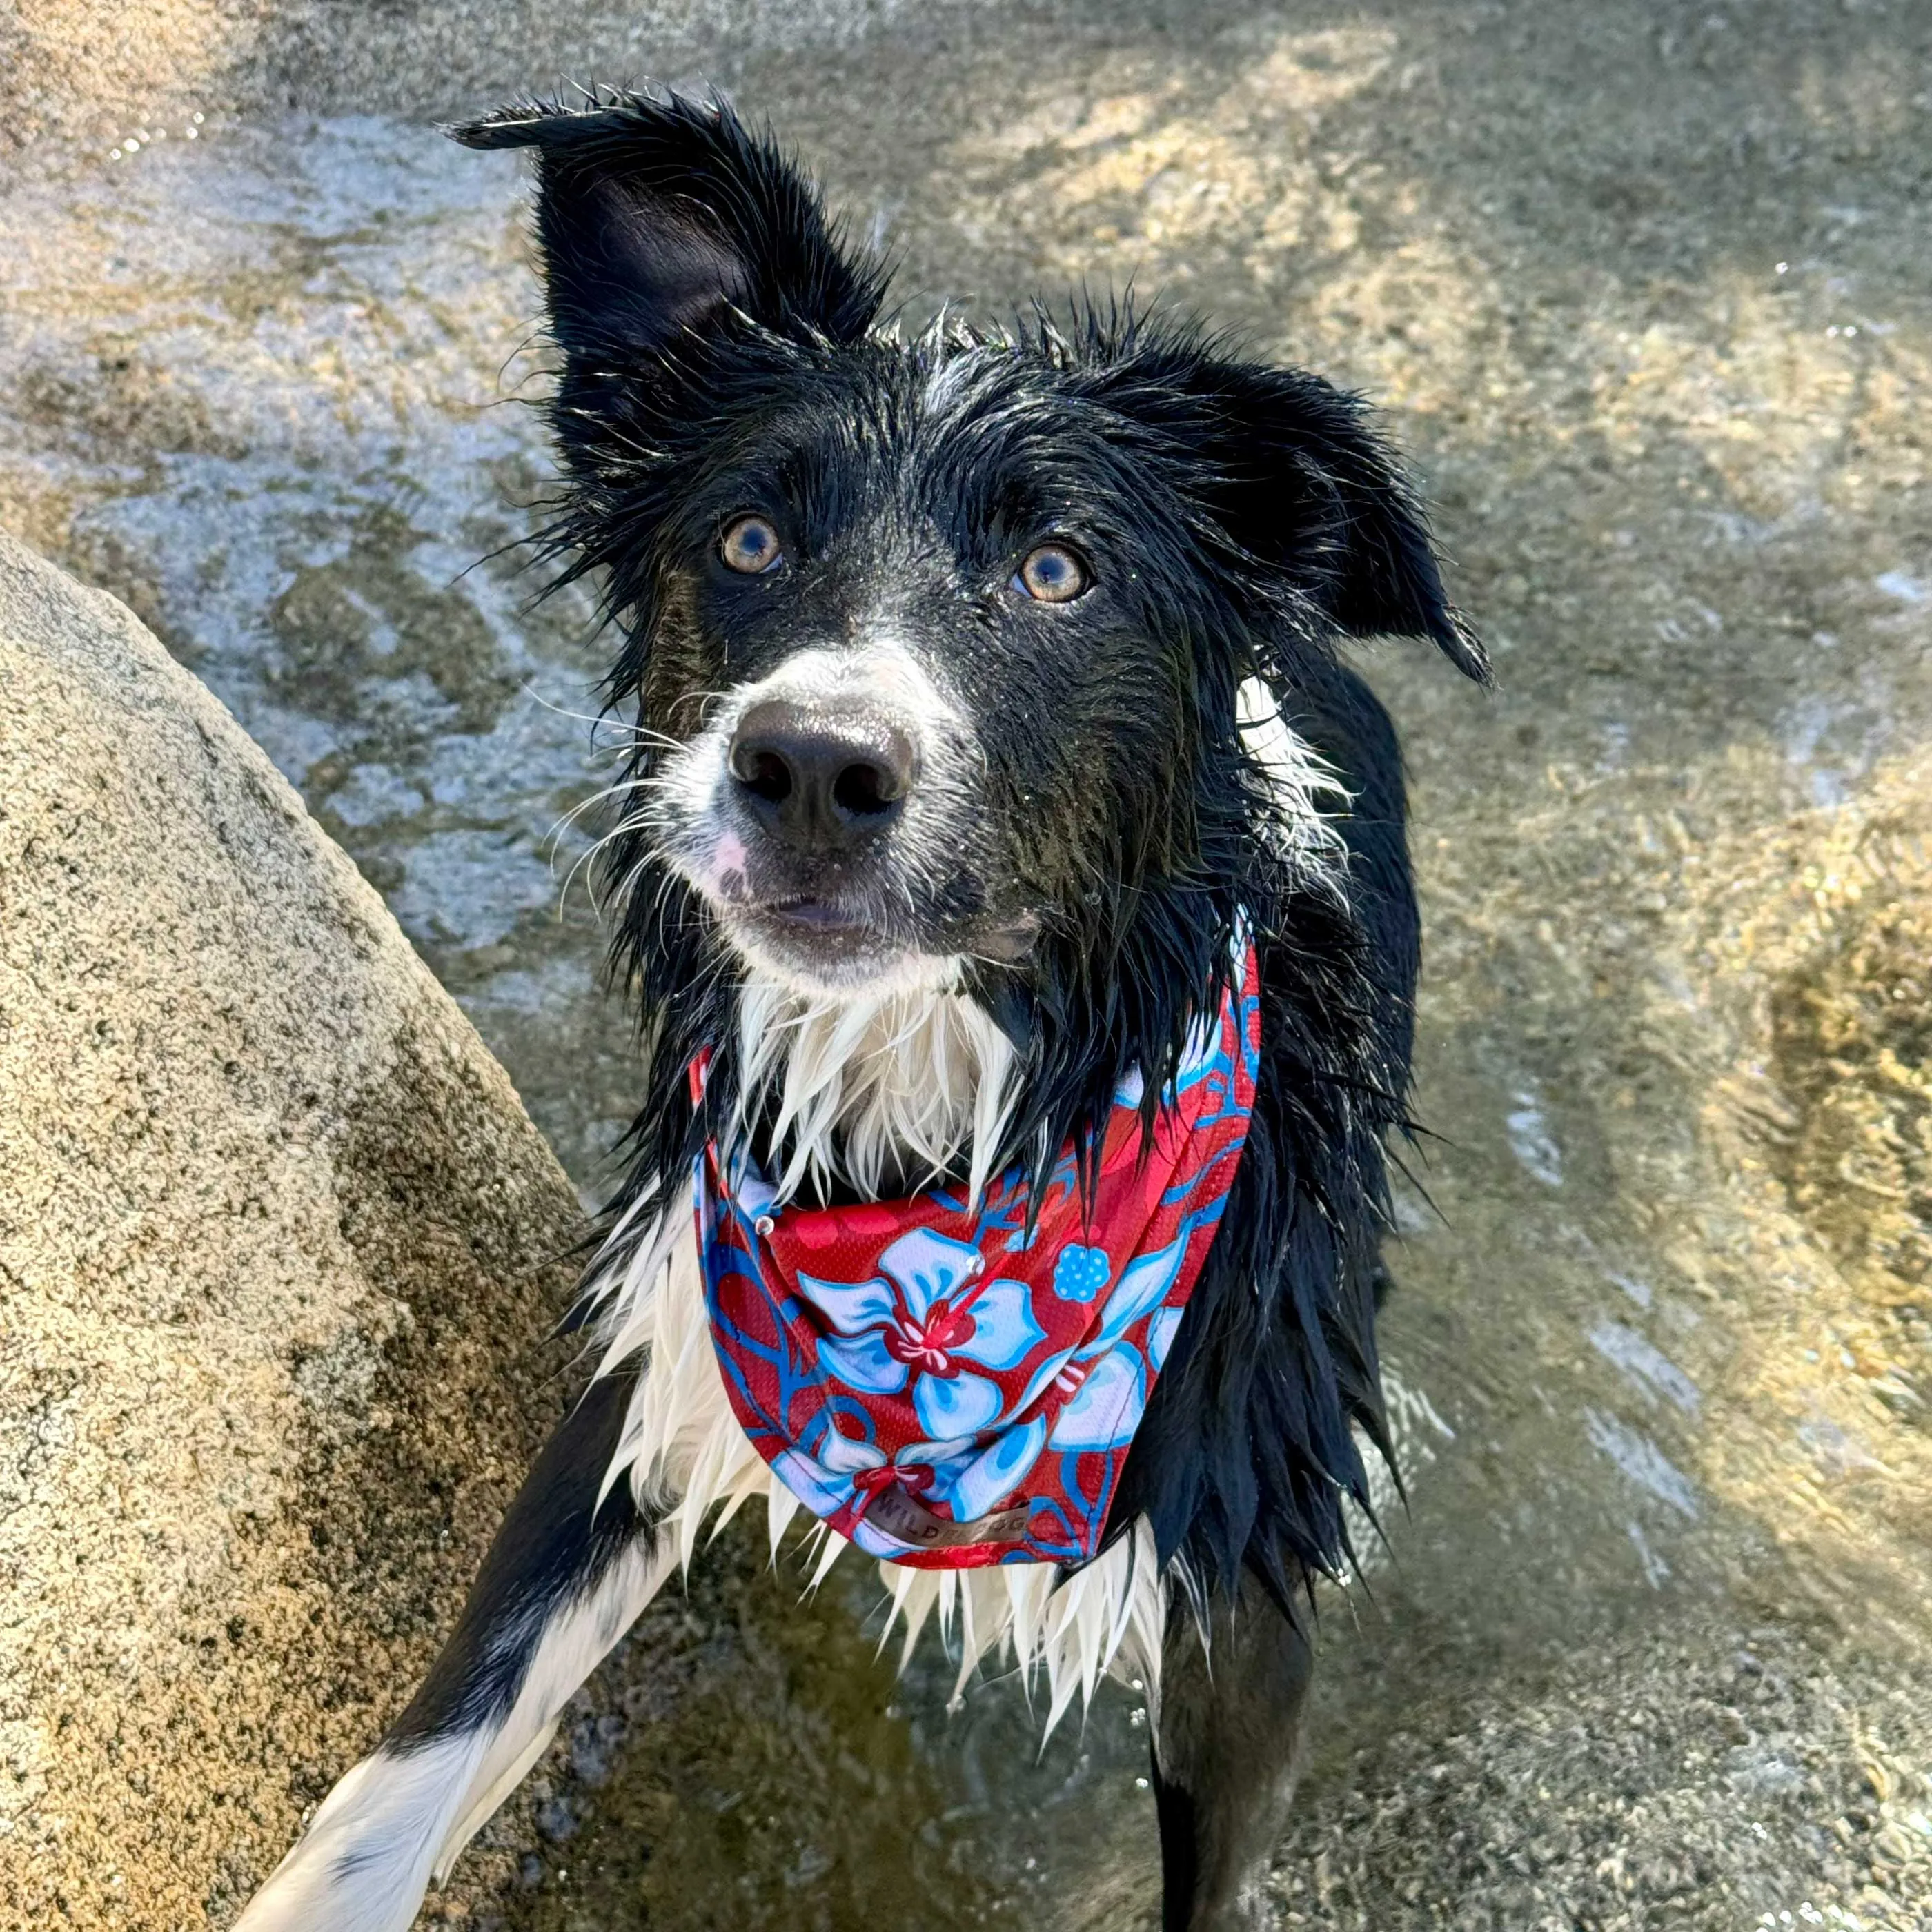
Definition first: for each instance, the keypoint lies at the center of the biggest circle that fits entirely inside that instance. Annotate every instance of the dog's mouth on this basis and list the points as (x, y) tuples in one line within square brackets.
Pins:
[(819, 941), (828, 942), (812, 916)]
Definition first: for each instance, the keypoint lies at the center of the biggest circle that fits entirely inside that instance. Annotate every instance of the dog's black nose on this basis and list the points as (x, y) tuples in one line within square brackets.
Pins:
[(821, 779)]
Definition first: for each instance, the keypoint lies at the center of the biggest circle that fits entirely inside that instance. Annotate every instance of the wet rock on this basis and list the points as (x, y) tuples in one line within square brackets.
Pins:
[(1610, 1795), (557, 1820), (102, 71), (278, 1251), (1852, 1033)]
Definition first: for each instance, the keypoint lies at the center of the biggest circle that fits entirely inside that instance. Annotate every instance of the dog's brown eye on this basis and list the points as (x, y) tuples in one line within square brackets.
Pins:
[(1052, 574), (749, 544)]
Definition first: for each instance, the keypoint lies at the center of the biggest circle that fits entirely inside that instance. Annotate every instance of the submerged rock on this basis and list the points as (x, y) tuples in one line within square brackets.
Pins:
[(279, 1248)]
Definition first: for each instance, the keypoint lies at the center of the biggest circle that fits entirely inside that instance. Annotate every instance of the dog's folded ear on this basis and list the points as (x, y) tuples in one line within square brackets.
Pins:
[(1307, 488), (661, 216)]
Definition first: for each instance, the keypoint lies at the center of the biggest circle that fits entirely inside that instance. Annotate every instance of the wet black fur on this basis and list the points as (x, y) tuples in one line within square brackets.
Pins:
[(1242, 518)]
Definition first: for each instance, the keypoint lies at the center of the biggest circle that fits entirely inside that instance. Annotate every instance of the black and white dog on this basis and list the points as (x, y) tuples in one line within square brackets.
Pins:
[(986, 703)]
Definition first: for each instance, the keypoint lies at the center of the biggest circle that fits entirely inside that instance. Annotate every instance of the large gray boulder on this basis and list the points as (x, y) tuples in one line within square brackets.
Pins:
[(278, 1253)]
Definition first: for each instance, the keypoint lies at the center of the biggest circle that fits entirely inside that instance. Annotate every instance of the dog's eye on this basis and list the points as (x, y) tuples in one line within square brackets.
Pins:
[(750, 544), (1051, 574)]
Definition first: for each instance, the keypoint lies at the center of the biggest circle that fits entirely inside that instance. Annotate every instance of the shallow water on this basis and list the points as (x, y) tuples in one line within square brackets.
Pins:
[(1647, 298)]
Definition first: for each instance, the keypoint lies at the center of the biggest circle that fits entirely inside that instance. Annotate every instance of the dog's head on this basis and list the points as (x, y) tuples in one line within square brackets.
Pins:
[(935, 646)]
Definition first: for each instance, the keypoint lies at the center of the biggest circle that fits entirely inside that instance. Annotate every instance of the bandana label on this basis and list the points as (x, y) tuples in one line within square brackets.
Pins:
[(939, 1388)]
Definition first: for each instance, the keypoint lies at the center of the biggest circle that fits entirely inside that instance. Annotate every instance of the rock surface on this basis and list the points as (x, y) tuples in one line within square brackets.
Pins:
[(278, 1256), (98, 70)]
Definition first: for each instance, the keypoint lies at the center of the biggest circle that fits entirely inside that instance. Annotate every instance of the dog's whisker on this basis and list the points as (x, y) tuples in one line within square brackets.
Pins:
[(599, 721), (568, 820)]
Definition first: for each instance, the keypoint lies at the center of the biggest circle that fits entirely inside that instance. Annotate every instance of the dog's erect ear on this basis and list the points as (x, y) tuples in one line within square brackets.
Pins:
[(658, 217), (1308, 488)]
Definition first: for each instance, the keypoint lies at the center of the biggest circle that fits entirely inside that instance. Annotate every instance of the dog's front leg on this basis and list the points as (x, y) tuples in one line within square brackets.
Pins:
[(563, 1581), (1225, 1757)]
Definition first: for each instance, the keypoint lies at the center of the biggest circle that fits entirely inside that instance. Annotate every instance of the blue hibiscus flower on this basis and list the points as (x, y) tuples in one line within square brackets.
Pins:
[(930, 1319)]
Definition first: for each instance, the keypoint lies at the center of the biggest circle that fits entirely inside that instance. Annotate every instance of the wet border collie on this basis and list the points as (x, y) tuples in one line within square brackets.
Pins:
[(983, 702)]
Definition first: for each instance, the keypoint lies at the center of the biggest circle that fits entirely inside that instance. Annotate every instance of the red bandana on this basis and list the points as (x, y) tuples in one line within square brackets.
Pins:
[(939, 1388)]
